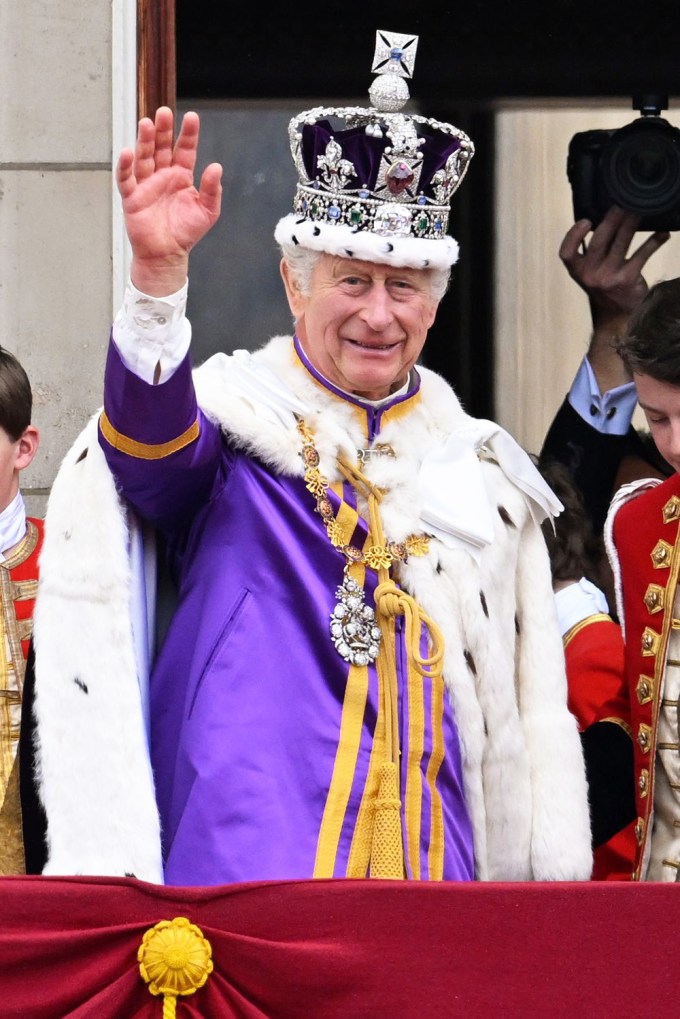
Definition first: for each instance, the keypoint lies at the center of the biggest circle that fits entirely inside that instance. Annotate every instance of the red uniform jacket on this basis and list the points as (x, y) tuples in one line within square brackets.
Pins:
[(645, 556)]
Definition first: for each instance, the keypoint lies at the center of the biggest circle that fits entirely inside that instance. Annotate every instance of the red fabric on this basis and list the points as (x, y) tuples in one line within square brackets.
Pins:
[(594, 658), (342, 949), (642, 529), (615, 859), (598, 691), (28, 570)]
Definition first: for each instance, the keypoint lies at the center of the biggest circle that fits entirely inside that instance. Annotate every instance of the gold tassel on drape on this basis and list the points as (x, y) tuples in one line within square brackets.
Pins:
[(387, 851), (174, 959)]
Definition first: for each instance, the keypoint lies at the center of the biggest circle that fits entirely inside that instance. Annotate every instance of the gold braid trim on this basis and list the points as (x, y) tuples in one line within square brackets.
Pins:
[(142, 450), (387, 853), (597, 617)]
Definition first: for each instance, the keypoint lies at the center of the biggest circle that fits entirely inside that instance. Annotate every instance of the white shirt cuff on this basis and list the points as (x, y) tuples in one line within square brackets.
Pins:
[(610, 413), (578, 601), (152, 334)]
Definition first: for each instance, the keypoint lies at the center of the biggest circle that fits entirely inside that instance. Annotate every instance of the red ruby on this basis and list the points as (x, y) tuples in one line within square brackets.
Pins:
[(398, 177)]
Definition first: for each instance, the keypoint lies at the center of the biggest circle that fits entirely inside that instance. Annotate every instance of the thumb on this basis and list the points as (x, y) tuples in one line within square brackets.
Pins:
[(210, 190)]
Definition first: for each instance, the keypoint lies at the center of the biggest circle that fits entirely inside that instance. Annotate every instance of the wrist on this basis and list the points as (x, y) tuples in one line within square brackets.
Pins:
[(159, 277)]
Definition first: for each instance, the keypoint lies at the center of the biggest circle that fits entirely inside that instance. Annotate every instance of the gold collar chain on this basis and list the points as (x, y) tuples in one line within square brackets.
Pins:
[(378, 556), (354, 630)]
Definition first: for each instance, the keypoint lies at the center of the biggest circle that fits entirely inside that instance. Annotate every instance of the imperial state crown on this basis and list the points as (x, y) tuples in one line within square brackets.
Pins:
[(375, 182)]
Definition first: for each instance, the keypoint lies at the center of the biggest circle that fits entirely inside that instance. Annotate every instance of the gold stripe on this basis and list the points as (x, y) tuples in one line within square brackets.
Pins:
[(399, 410), (362, 839), (359, 860), (351, 724), (597, 617), (25, 548), (24, 590), (8, 686), (618, 721), (413, 796), (144, 451), (436, 850), (353, 710)]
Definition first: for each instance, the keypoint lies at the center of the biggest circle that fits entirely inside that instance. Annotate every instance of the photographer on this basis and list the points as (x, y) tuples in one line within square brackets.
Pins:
[(592, 433), (622, 181)]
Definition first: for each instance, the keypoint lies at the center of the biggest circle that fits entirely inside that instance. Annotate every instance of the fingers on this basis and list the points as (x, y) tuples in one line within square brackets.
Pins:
[(155, 148), (186, 146), (210, 191), (618, 230), (575, 236), (652, 243), (145, 149), (608, 246), (613, 234), (125, 177), (163, 124)]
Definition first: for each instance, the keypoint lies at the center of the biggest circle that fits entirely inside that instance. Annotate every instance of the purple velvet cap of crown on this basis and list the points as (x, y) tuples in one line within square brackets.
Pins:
[(365, 152)]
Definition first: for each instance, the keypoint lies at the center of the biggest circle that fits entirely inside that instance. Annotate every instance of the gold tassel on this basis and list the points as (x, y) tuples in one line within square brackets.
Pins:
[(387, 853), (387, 849)]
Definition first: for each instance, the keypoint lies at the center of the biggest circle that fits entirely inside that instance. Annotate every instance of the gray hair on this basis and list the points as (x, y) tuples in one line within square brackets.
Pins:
[(303, 261)]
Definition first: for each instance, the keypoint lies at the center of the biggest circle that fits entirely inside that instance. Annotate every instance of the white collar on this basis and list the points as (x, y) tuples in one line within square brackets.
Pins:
[(455, 505), (12, 524)]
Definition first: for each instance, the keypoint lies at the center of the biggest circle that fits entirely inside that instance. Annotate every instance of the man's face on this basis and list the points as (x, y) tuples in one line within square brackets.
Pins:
[(363, 325), (661, 403)]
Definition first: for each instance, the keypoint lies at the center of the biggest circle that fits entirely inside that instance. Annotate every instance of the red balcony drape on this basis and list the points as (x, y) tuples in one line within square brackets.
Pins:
[(344, 949)]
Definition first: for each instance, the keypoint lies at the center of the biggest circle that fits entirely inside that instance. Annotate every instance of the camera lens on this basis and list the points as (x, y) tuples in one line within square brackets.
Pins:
[(641, 166)]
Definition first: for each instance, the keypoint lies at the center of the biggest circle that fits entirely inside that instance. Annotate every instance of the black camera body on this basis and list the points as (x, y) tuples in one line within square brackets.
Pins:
[(636, 167)]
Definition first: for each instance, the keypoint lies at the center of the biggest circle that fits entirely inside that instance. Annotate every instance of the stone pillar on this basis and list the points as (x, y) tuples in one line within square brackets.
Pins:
[(66, 76)]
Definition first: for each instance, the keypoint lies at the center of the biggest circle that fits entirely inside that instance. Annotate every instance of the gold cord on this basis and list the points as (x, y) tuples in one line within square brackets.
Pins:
[(387, 860), (387, 851)]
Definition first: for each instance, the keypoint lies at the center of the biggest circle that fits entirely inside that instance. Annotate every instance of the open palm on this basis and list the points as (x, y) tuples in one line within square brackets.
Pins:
[(165, 214)]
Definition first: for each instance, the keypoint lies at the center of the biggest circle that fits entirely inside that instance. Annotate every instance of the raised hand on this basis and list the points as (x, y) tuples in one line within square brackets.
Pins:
[(165, 214), (611, 278), (613, 281)]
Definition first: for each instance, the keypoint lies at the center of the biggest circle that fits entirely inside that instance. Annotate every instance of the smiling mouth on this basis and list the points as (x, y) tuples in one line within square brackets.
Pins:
[(373, 346)]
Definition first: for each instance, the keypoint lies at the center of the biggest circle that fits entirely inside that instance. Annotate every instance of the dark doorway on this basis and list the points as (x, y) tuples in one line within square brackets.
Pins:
[(469, 57)]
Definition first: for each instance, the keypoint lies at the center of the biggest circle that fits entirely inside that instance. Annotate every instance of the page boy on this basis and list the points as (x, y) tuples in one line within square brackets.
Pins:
[(642, 539), (20, 545)]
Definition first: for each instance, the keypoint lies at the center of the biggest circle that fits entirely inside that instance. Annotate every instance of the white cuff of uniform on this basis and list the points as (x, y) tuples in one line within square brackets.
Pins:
[(578, 601), (610, 413), (152, 334)]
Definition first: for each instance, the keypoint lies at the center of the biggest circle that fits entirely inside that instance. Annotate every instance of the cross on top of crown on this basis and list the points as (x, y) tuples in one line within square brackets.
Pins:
[(394, 53)]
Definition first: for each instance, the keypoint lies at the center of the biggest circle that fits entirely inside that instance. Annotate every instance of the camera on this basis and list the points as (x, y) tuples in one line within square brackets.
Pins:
[(636, 167)]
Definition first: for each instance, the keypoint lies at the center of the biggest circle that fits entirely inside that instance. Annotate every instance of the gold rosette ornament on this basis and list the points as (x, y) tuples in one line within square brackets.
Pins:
[(174, 959)]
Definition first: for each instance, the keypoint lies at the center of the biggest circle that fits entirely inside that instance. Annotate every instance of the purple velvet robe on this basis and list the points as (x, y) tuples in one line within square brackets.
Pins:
[(261, 734)]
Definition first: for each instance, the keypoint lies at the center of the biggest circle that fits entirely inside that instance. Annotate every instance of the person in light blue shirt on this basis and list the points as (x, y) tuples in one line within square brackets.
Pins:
[(592, 432)]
